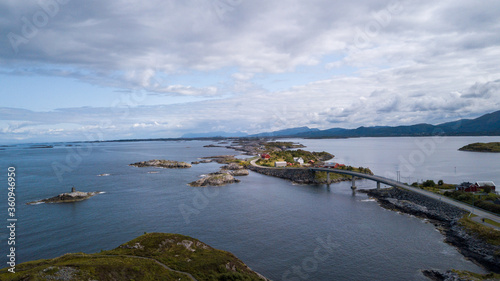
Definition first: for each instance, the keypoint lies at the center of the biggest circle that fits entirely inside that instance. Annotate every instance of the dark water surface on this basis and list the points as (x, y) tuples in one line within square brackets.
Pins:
[(279, 229)]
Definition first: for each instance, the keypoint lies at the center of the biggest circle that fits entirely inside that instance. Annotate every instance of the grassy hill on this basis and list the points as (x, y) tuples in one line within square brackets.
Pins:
[(154, 256)]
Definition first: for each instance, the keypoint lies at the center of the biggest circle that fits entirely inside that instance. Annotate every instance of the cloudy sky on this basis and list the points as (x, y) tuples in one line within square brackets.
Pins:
[(84, 70)]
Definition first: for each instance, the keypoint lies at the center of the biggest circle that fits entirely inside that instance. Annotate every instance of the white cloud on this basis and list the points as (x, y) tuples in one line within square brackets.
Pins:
[(376, 63)]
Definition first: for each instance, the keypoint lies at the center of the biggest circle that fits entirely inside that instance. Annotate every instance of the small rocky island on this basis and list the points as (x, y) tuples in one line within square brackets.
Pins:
[(225, 176), (152, 256), (169, 164), (72, 196), (215, 179), (482, 147)]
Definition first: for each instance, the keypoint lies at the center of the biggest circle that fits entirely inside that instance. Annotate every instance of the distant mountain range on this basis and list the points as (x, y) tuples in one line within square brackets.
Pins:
[(214, 135), (486, 125)]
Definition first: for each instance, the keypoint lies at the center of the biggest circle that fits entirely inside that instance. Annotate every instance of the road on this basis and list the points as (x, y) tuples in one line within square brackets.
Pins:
[(474, 210)]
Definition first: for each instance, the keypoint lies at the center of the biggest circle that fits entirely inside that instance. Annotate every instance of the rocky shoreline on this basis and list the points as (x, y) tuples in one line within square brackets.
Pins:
[(446, 218), (225, 176), (297, 175)]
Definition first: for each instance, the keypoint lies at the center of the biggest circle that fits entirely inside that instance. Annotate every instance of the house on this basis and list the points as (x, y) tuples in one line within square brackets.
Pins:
[(265, 156), (333, 165), (299, 160), (467, 187), (279, 164), (483, 184)]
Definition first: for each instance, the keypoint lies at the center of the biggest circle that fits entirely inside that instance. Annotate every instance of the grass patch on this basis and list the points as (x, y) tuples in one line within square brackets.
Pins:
[(486, 233), (467, 275), (492, 222), (91, 267)]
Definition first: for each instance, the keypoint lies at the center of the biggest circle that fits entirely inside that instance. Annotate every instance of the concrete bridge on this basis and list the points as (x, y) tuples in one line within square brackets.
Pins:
[(379, 179), (375, 178)]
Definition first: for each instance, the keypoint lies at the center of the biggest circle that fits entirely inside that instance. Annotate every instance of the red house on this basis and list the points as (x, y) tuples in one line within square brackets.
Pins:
[(333, 165), (475, 187), (483, 184), (467, 187), (265, 156)]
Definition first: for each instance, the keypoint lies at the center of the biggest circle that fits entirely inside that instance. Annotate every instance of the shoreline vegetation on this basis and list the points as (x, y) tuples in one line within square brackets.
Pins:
[(482, 147), (152, 256)]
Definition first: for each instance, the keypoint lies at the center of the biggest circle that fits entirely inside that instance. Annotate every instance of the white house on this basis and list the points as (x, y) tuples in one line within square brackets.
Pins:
[(278, 164), (299, 160)]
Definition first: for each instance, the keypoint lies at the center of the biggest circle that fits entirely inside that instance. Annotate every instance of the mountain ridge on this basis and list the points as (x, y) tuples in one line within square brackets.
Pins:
[(485, 125)]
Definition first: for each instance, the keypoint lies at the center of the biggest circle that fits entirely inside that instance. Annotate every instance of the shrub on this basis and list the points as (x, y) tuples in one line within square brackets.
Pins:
[(487, 189), (440, 182), (429, 183), (488, 206)]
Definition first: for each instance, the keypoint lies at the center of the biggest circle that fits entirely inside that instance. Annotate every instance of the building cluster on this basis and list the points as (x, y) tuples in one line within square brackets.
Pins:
[(301, 162), (475, 187)]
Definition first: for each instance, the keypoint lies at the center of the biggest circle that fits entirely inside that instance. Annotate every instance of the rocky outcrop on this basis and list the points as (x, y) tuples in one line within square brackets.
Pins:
[(232, 166), (169, 164), (442, 276), (215, 179), (73, 196), (445, 217), (221, 159), (416, 204), (237, 173), (235, 170)]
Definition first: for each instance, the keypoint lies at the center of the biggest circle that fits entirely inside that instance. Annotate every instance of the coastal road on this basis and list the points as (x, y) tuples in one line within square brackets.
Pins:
[(476, 211), (442, 198)]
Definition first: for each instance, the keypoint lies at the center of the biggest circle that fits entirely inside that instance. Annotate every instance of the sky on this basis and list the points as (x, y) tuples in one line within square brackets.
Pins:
[(100, 70)]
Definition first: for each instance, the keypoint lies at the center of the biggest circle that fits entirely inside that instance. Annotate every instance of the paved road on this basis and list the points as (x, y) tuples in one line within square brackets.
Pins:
[(474, 210)]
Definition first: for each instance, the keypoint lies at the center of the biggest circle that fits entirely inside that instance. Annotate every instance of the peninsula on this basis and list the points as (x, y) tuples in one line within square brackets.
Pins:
[(169, 164), (482, 147), (152, 256), (69, 197)]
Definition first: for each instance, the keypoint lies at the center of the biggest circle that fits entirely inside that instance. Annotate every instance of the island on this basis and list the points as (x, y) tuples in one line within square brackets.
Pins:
[(215, 179), (169, 164), (235, 169), (482, 147), (152, 256), (73, 196)]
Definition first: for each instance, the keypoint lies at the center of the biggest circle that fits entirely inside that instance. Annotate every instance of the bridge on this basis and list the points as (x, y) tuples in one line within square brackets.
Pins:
[(377, 179), (390, 182)]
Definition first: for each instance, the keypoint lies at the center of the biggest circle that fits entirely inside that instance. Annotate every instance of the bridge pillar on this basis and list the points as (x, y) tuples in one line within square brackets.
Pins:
[(378, 185), (353, 187)]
